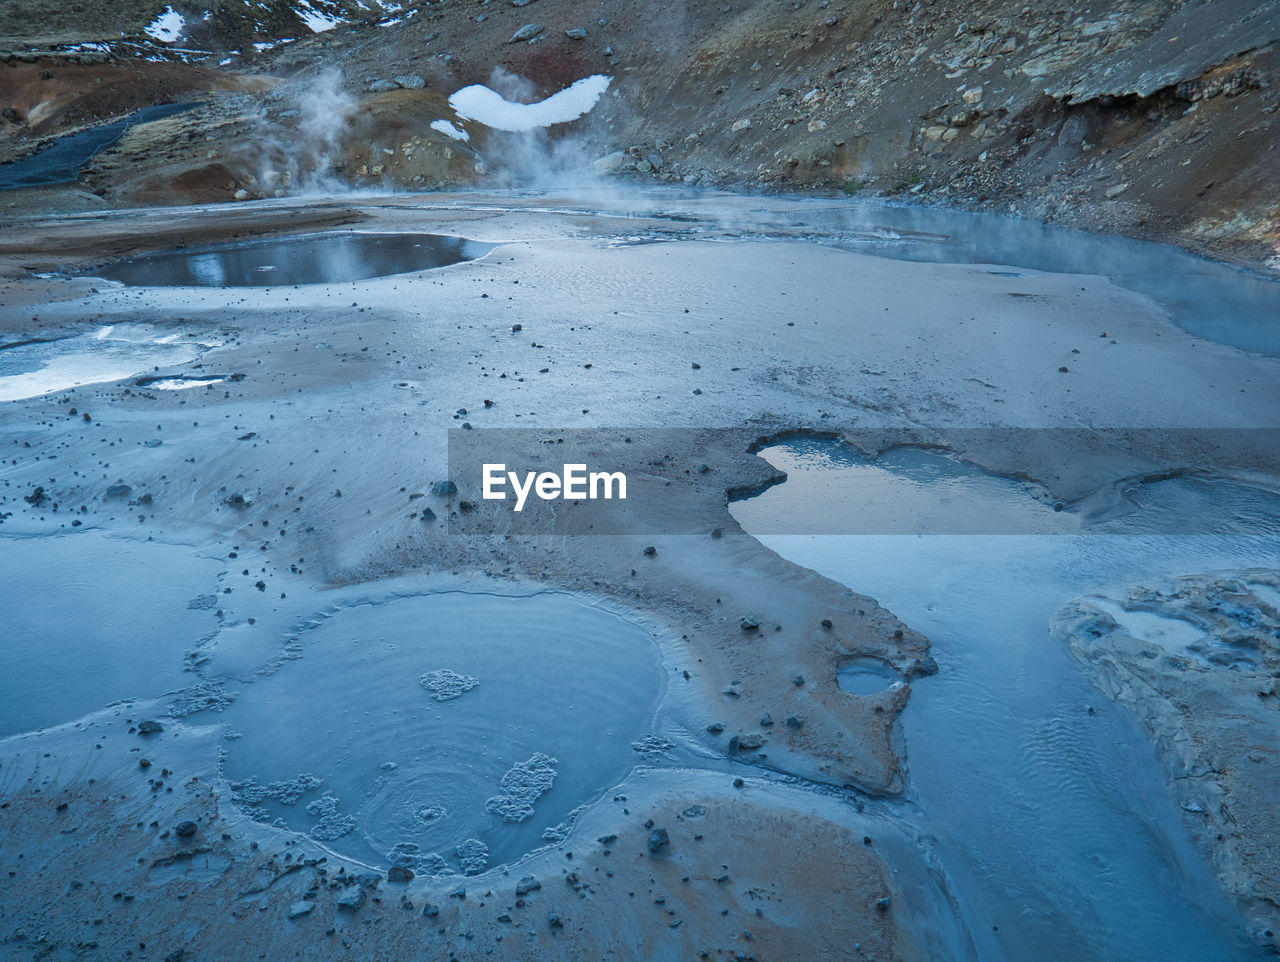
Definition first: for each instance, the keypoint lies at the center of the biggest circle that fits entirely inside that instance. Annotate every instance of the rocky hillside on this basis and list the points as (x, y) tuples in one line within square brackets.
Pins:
[(1155, 119)]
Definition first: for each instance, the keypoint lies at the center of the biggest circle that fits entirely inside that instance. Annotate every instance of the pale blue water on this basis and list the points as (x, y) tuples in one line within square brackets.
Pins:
[(1055, 824)]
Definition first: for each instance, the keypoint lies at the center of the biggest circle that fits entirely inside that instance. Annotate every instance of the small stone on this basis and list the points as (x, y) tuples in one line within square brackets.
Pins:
[(185, 829), (1117, 190), (118, 491), (715, 728), (576, 33), (748, 623), (300, 908), (411, 81), (443, 489), (794, 722), (150, 727), (553, 920), (528, 32), (399, 874), (526, 885), (826, 623), (350, 898), (430, 910), (658, 840), (650, 551), (766, 720), (883, 904)]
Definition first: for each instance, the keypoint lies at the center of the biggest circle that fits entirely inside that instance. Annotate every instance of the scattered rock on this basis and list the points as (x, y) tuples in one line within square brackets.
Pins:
[(350, 898), (399, 874), (576, 33), (749, 623), (411, 81), (658, 840), (526, 885), (528, 32), (150, 727), (185, 829), (300, 908), (443, 489)]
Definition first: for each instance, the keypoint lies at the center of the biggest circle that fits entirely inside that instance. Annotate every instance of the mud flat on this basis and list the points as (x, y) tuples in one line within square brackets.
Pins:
[(307, 466), (1196, 660)]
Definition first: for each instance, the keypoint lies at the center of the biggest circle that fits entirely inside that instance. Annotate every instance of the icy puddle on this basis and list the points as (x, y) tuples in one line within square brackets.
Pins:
[(1051, 811), (327, 258), (448, 732), (34, 368)]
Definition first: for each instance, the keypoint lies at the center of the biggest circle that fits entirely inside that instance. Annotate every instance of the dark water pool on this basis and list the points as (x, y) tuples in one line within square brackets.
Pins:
[(327, 258)]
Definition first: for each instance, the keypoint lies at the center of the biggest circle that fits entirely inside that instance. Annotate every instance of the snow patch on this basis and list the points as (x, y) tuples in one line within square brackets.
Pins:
[(450, 129), (490, 108), (167, 27), (316, 20)]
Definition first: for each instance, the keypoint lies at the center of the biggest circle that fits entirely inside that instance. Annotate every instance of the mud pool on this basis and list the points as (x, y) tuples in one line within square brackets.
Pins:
[(1053, 816), (329, 258), (422, 724)]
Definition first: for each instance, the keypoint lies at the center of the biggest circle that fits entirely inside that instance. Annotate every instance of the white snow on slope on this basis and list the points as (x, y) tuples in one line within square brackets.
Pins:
[(450, 129), (479, 103), (316, 21), (167, 27)]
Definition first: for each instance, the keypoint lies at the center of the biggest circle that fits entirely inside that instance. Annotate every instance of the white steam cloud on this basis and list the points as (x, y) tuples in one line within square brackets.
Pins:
[(306, 158)]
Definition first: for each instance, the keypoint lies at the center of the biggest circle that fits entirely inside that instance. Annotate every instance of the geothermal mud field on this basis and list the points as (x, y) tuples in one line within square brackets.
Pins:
[(965, 644)]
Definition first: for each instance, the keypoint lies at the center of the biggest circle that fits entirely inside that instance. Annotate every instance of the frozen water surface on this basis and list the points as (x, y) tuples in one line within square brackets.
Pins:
[(544, 696), (106, 354), (1054, 822)]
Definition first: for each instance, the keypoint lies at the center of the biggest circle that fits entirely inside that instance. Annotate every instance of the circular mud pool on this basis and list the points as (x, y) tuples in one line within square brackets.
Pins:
[(447, 732), (327, 258)]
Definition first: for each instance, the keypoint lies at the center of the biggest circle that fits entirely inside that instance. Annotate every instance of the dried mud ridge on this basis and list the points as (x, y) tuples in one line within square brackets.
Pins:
[(1210, 706), (1155, 120)]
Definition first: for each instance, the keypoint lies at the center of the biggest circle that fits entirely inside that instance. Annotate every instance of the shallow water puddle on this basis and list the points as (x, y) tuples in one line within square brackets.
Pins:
[(72, 646), (867, 676), (104, 355), (327, 258), (446, 732), (1054, 821)]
